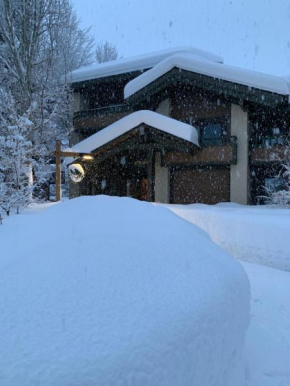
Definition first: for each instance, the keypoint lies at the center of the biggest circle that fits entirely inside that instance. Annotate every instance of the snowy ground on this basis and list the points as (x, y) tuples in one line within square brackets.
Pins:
[(268, 337)]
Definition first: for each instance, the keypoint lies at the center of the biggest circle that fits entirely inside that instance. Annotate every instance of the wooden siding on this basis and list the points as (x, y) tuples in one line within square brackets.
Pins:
[(97, 122), (265, 155), (220, 154)]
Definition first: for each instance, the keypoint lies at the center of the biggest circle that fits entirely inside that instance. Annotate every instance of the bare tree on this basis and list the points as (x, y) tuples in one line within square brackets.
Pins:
[(106, 52), (40, 43)]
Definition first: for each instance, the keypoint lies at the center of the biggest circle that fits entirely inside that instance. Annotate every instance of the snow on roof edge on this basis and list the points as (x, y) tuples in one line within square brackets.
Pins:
[(135, 63), (151, 118), (190, 62)]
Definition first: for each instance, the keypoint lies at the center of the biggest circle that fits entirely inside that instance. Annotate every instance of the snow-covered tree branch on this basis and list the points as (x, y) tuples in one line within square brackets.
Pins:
[(281, 196), (40, 43), (106, 52)]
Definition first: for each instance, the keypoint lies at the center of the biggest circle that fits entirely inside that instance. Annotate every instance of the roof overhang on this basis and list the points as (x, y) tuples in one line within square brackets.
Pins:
[(171, 129), (135, 64), (228, 80)]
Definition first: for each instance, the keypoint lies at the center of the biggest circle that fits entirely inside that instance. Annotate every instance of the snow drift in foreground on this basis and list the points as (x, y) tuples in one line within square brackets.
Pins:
[(268, 337), (103, 291), (252, 233)]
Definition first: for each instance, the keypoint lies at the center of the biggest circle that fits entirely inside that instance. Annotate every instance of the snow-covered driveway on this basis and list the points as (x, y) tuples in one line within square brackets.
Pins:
[(251, 233)]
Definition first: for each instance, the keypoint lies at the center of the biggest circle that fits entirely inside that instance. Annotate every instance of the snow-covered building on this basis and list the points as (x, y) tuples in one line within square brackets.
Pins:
[(179, 126)]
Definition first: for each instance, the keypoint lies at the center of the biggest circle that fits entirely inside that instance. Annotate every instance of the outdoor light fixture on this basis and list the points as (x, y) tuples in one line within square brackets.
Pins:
[(78, 174), (87, 157)]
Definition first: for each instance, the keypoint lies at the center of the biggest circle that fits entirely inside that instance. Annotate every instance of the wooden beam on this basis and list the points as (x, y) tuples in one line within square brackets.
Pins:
[(66, 153)]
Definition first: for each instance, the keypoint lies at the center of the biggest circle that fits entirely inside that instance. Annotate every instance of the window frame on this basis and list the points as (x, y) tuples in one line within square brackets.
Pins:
[(200, 124)]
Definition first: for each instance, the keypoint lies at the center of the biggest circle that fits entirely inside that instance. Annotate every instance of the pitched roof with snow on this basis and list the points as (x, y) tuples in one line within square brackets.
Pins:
[(150, 118), (135, 63), (194, 63)]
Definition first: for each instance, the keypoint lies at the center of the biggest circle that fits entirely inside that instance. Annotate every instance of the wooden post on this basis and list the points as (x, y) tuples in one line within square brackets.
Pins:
[(150, 176), (58, 171)]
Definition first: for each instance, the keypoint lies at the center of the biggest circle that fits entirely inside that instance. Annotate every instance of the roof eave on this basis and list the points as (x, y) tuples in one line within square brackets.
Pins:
[(236, 91)]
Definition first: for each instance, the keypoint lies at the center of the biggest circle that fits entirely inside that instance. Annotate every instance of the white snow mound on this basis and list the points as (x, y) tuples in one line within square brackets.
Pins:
[(102, 291), (117, 129), (135, 63), (194, 63)]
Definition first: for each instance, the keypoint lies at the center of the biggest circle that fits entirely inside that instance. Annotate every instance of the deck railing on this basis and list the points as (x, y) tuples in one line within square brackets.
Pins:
[(121, 108)]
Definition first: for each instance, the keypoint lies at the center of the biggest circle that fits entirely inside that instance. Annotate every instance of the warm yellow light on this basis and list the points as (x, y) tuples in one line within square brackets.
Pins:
[(87, 157)]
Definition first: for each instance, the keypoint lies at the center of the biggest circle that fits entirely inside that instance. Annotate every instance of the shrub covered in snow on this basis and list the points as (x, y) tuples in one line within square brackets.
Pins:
[(107, 291), (281, 197)]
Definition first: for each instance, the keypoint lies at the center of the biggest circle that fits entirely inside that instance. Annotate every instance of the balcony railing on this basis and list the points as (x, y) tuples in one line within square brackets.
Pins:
[(271, 154), (218, 141), (222, 153), (122, 108), (268, 149)]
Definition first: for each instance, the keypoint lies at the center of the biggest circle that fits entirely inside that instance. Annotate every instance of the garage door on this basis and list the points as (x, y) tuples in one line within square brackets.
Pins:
[(203, 185)]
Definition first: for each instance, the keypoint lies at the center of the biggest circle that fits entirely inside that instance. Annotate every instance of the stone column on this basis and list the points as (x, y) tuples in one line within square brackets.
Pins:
[(240, 172), (162, 181)]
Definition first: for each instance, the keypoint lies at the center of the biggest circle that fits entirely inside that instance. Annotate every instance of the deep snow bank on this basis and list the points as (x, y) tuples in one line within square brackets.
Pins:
[(256, 234), (268, 337), (105, 291)]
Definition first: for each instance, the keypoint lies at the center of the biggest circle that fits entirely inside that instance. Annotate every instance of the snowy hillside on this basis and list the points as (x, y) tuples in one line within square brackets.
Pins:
[(107, 291)]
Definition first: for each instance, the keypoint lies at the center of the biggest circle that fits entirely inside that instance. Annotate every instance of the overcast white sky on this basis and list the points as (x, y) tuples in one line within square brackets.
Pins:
[(253, 34)]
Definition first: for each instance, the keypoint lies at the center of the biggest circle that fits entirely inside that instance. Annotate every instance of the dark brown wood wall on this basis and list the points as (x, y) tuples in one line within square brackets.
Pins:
[(200, 185), (199, 104), (98, 121)]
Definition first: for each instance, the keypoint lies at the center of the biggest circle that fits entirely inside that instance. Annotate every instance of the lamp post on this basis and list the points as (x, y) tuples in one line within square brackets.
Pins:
[(58, 154)]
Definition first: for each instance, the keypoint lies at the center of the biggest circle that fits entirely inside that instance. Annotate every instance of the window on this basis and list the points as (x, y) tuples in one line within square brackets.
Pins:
[(212, 131)]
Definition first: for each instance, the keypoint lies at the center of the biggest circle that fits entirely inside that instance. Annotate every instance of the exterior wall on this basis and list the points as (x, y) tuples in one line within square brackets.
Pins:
[(190, 105), (76, 106), (212, 155), (98, 121), (240, 171), (162, 181), (74, 189), (76, 102)]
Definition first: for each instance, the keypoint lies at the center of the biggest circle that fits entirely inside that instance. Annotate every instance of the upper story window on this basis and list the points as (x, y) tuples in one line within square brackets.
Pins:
[(212, 131), (269, 135)]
